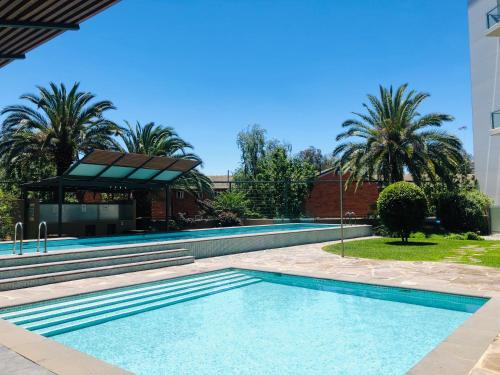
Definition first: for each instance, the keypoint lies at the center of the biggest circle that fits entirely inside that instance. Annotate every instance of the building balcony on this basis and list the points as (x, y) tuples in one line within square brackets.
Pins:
[(493, 22), (495, 123)]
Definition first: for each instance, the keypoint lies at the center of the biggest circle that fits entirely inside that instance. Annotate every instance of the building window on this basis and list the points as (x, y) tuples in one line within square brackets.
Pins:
[(495, 120), (179, 194)]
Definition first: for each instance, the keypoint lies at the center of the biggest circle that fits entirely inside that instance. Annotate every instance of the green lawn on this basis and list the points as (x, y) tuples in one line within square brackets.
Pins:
[(436, 249)]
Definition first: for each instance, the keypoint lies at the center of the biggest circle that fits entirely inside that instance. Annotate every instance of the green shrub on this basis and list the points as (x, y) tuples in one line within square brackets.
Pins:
[(418, 235), (182, 221), (463, 211), (7, 202), (455, 236), (228, 219), (402, 207), (472, 236), (232, 201)]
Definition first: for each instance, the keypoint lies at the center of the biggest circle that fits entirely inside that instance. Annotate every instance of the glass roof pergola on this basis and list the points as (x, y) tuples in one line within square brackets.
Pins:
[(112, 170), (137, 168)]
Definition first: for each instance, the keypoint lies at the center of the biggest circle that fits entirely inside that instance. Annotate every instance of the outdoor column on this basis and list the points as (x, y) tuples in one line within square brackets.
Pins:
[(60, 201), (168, 207), (25, 217)]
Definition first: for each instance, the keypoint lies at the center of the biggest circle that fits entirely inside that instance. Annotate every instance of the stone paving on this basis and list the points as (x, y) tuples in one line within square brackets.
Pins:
[(305, 259), (12, 363)]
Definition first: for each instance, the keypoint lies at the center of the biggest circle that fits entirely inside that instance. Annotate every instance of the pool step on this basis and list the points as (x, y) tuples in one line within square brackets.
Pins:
[(59, 305), (63, 255), (65, 316), (68, 265), (73, 274)]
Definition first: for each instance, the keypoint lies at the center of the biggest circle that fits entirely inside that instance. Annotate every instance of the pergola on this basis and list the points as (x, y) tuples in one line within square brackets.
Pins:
[(26, 24), (112, 171)]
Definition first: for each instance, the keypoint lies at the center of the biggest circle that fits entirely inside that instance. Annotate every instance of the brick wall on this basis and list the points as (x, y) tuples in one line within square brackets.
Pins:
[(324, 200), (187, 205)]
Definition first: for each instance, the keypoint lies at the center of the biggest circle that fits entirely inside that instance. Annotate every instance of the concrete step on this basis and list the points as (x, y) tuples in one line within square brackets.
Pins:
[(68, 265), (59, 256), (55, 277)]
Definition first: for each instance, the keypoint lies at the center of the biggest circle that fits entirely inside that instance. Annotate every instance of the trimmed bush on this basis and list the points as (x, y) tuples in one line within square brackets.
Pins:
[(463, 211), (402, 207)]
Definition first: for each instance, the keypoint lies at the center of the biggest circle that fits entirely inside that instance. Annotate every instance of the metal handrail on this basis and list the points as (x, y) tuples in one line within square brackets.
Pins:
[(351, 216), (42, 224), (20, 225)]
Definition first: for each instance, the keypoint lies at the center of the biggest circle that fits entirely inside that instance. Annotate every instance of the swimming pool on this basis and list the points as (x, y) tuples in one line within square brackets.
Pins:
[(251, 322), (82, 243)]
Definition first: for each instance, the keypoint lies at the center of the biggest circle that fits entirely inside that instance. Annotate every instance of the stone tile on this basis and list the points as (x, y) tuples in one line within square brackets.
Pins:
[(13, 364)]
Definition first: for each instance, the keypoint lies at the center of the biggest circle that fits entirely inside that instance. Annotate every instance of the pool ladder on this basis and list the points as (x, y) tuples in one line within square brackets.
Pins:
[(19, 225), (44, 225)]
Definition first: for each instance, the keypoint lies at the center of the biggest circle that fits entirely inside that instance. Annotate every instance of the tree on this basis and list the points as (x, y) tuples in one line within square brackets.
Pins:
[(315, 157), (402, 207), (252, 144), (393, 137), (54, 130), (158, 140), (280, 184)]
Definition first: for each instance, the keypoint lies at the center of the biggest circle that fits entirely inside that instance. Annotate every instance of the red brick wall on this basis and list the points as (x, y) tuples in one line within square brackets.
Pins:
[(186, 205), (91, 197), (324, 200)]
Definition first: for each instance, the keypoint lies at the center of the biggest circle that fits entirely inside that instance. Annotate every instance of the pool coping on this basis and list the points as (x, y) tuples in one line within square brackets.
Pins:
[(456, 354), (174, 242), (330, 226)]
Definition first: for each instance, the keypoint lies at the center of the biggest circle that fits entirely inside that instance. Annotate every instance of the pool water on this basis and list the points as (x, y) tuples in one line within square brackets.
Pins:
[(82, 243), (249, 322)]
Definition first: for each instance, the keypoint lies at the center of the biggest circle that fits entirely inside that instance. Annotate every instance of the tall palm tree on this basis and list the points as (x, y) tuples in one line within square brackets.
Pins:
[(392, 138), (157, 140), (61, 125)]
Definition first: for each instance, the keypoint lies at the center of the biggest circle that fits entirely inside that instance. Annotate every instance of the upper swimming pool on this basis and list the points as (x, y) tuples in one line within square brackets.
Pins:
[(238, 321), (82, 243)]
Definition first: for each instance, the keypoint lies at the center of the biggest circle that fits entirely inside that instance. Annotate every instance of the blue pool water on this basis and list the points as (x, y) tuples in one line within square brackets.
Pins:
[(81, 243), (248, 322)]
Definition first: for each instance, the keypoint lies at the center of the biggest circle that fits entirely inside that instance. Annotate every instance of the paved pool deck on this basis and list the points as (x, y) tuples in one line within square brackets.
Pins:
[(471, 349)]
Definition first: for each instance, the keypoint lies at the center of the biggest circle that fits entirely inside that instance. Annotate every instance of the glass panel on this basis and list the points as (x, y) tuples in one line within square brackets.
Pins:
[(48, 213), (84, 169), (167, 175), (143, 174), (109, 212), (79, 212), (117, 172)]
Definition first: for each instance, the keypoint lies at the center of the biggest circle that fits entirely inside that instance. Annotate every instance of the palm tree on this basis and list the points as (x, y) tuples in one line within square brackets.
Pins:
[(62, 125), (157, 140), (393, 138)]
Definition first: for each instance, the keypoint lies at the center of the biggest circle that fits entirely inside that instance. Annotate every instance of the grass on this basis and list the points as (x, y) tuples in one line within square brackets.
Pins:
[(434, 249)]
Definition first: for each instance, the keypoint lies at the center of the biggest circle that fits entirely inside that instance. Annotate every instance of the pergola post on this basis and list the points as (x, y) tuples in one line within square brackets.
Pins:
[(60, 201), (25, 218), (168, 206)]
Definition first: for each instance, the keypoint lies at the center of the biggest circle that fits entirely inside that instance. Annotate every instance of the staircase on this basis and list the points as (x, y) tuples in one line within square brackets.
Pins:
[(38, 269), (72, 314)]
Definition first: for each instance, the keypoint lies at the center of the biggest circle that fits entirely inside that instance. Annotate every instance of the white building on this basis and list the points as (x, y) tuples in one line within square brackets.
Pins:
[(484, 41)]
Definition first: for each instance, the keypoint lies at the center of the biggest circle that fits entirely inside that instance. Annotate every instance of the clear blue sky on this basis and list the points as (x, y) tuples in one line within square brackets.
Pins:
[(296, 67)]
